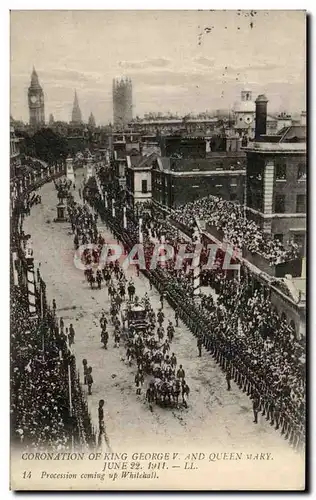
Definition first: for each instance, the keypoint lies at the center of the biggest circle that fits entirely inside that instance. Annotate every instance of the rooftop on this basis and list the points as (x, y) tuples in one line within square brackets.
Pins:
[(289, 140), (142, 162)]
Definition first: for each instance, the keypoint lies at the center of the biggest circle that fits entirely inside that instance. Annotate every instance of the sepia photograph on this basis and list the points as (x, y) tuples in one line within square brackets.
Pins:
[(158, 250)]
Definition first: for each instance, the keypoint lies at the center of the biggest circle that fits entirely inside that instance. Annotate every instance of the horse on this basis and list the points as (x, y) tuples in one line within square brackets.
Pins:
[(164, 392), (185, 389), (176, 389)]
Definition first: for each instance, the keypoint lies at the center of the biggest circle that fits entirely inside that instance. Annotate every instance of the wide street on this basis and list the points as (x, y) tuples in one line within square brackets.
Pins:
[(215, 420)]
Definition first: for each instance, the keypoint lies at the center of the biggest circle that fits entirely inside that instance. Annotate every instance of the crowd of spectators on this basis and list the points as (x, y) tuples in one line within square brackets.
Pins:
[(43, 372), (239, 231), (237, 322), (41, 416)]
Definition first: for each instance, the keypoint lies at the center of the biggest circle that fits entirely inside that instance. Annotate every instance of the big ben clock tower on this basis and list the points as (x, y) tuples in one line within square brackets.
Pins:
[(36, 102)]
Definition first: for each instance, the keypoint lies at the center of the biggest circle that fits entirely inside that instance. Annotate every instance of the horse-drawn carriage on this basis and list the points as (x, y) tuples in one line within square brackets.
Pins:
[(134, 318)]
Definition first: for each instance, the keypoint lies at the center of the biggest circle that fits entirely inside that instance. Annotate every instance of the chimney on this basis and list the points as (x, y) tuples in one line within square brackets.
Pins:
[(303, 118), (261, 116)]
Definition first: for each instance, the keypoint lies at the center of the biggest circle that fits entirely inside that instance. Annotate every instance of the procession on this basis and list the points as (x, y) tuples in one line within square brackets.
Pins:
[(158, 250), (146, 338)]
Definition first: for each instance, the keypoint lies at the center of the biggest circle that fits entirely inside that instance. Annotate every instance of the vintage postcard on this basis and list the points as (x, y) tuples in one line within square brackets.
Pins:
[(158, 250)]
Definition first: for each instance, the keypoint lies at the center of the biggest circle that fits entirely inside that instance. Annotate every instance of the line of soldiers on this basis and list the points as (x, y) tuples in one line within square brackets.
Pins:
[(281, 411)]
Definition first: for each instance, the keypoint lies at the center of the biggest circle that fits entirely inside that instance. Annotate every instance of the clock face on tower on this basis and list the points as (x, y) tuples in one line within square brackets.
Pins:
[(34, 99)]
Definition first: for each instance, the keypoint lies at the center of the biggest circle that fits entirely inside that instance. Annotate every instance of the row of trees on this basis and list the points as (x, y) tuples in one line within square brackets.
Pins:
[(44, 144)]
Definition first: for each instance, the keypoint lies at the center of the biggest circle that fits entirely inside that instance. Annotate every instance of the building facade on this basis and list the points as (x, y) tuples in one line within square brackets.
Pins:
[(15, 159), (122, 93), (36, 102), (170, 126), (139, 178), (276, 182), (124, 144), (176, 182)]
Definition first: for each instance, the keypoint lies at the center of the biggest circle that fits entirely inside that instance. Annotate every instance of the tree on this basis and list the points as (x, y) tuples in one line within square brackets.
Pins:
[(49, 146)]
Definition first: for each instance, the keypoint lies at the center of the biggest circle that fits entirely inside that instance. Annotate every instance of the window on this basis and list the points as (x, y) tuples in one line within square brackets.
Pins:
[(144, 186), (233, 196), (301, 204), (278, 236), (279, 204), (301, 172), (280, 173)]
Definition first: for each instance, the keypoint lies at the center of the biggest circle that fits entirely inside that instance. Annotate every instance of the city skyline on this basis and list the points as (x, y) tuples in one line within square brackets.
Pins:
[(189, 62)]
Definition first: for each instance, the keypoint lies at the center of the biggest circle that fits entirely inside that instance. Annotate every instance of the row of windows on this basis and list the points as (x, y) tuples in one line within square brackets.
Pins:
[(280, 171), (279, 204)]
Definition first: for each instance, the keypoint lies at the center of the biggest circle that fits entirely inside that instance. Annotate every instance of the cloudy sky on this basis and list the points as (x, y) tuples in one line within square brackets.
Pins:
[(179, 61)]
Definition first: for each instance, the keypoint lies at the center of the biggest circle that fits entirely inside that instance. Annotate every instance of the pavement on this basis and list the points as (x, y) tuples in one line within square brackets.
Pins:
[(216, 419)]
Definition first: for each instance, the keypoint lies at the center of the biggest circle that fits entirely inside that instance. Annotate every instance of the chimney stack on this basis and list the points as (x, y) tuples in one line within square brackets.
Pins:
[(261, 116), (303, 118)]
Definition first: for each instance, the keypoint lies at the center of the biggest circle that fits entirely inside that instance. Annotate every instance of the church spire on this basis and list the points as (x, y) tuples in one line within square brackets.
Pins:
[(76, 113), (91, 121)]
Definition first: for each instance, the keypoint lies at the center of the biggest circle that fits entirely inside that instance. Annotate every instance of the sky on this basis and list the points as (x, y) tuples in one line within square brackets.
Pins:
[(179, 61)]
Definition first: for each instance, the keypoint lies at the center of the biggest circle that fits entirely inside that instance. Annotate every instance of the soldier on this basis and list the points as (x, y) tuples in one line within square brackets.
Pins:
[(117, 337), (104, 338), (199, 345), (173, 360), (89, 380), (99, 279), (176, 317), (103, 320), (162, 295), (54, 306), (85, 370), (180, 372), (131, 291), (71, 334), (160, 317), (228, 378), (256, 407), (101, 416), (139, 381)]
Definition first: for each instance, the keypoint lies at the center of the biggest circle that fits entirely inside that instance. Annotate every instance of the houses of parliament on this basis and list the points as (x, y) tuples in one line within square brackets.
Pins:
[(36, 104)]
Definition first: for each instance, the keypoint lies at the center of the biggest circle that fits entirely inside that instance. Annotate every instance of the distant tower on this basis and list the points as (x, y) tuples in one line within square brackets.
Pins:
[(91, 121), (244, 114), (122, 102), (36, 102), (51, 120), (76, 117)]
